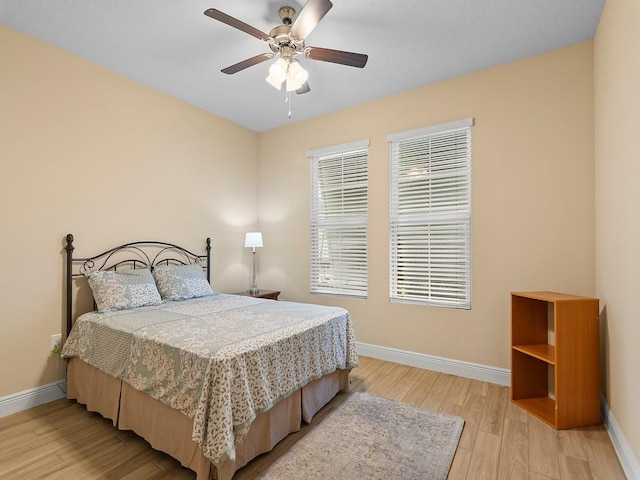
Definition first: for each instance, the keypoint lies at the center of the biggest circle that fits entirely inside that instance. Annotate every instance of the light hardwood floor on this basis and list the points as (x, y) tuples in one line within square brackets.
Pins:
[(61, 440)]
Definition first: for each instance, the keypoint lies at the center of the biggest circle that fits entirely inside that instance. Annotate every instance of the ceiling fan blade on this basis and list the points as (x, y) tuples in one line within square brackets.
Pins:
[(235, 23), (336, 56), (309, 17), (303, 89), (249, 62)]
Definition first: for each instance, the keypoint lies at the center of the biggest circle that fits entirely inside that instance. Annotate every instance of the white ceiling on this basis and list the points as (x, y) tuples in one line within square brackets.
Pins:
[(173, 47)]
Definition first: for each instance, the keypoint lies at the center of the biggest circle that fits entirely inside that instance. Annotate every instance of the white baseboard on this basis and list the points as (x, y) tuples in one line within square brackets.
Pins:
[(501, 376), (33, 397), (626, 456)]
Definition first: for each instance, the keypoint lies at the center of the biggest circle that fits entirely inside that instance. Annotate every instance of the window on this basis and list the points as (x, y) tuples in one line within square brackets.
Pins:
[(339, 219), (430, 215)]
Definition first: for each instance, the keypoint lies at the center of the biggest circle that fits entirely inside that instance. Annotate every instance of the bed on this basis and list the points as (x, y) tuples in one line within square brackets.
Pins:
[(213, 380)]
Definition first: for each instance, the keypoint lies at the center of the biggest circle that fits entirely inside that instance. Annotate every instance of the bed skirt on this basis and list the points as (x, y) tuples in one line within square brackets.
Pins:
[(169, 430)]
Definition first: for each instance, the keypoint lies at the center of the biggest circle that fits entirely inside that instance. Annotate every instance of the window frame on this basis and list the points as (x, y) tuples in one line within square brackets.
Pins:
[(447, 279), (350, 275)]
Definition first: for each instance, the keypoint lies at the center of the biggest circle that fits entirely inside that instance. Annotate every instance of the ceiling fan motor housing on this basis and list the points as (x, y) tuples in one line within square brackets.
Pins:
[(286, 14), (281, 40)]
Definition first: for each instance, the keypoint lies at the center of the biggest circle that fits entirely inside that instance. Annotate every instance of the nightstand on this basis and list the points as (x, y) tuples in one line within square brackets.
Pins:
[(270, 294)]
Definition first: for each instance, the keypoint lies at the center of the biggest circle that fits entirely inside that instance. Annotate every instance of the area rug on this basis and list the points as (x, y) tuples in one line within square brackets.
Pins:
[(368, 437)]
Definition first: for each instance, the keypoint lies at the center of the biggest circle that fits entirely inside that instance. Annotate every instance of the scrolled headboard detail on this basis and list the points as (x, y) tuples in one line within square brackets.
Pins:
[(142, 254)]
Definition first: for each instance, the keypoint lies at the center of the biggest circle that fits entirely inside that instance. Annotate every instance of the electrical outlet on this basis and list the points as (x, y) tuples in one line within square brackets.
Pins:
[(56, 344)]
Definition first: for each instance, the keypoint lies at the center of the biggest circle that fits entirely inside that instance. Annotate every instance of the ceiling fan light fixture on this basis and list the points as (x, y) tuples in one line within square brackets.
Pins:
[(275, 82), (278, 73), (296, 76), (279, 69)]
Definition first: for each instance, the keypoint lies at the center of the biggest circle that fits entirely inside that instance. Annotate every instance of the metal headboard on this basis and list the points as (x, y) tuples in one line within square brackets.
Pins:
[(143, 254)]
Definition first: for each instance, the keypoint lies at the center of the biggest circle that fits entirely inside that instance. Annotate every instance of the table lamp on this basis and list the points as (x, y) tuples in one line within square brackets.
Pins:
[(253, 240)]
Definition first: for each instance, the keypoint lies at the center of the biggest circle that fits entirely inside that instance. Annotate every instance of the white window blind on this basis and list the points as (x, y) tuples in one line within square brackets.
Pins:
[(430, 215), (339, 184)]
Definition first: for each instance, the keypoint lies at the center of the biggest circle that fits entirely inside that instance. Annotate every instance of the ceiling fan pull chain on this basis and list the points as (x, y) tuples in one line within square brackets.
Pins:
[(287, 97)]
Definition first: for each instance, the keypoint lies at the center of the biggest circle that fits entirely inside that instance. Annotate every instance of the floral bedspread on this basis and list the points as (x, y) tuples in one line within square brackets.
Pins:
[(221, 360)]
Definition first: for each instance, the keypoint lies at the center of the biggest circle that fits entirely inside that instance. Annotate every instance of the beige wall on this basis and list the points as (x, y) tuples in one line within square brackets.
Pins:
[(533, 207), (617, 154), (86, 151)]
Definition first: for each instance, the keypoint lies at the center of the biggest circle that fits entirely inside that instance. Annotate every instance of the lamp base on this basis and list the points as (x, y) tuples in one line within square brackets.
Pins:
[(254, 291)]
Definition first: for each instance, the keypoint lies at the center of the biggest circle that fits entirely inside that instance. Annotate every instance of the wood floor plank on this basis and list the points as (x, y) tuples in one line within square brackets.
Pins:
[(405, 383), (514, 454), (409, 379), (450, 408), (387, 381), (378, 375), (367, 366), (438, 391), (460, 464), (471, 411), (570, 443), (62, 441), (539, 476), (494, 410), (485, 459), (419, 391), (574, 468), (543, 451), (514, 412), (603, 462), (458, 390), (478, 387)]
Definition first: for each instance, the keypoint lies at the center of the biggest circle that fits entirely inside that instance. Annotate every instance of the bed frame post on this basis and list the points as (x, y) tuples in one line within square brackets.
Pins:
[(208, 249), (69, 272)]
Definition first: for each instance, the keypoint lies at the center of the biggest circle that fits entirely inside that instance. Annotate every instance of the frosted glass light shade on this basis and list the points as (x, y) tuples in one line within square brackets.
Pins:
[(276, 83), (253, 240), (278, 73), (289, 71), (279, 69), (296, 76)]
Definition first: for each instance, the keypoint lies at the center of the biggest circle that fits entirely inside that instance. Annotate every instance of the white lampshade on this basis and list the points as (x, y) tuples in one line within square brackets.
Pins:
[(279, 69), (277, 84), (296, 76), (278, 73), (253, 240)]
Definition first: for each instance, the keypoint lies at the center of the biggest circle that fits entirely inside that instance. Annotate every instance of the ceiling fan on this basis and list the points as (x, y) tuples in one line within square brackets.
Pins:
[(286, 41)]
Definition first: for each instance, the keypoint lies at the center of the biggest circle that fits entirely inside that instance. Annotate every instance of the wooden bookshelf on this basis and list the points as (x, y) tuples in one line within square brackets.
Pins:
[(559, 333)]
